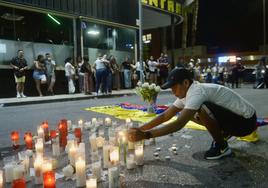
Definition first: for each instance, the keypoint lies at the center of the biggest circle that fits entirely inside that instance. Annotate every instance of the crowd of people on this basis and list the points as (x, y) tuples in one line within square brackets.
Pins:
[(106, 73)]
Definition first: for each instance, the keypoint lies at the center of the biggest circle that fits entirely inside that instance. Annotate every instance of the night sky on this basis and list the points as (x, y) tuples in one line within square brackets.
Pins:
[(230, 25)]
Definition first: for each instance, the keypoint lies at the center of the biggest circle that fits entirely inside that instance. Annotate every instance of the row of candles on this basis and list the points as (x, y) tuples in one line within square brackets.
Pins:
[(76, 153)]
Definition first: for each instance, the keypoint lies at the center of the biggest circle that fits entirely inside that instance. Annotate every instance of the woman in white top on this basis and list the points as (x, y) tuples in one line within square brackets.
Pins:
[(222, 111), (70, 74), (153, 70)]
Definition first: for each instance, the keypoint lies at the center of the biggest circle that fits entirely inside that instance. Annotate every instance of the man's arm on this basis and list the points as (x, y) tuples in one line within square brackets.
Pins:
[(165, 116), (181, 121)]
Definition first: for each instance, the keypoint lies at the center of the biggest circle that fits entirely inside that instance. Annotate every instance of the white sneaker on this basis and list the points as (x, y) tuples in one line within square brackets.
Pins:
[(18, 95), (22, 95)]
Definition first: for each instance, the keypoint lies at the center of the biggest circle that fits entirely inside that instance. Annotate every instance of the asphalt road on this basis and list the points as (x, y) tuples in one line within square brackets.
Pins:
[(246, 168)]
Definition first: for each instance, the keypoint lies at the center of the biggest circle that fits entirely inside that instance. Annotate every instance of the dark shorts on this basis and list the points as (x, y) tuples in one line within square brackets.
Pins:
[(231, 123)]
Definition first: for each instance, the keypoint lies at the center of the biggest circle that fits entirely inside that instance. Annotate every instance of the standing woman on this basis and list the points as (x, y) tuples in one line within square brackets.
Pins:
[(153, 70), (70, 74), (87, 72), (116, 73), (39, 73)]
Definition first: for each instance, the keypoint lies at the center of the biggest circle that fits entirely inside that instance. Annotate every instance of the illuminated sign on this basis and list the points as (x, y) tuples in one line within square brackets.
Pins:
[(168, 5), (224, 59)]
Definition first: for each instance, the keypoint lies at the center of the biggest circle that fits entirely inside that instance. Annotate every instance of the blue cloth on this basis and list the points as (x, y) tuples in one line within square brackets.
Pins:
[(127, 78)]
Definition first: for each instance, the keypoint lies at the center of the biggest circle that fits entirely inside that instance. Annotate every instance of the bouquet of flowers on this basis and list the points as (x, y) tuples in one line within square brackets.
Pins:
[(147, 91)]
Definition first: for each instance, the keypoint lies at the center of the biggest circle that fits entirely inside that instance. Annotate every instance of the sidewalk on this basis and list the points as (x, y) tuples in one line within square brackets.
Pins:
[(4, 102)]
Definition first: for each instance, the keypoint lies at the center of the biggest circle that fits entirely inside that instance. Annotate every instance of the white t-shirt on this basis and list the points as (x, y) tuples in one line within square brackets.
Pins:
[(198, 93), (69, 69), (152, 65)]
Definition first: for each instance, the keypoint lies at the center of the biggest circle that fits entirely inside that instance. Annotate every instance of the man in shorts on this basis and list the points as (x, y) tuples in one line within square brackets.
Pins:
[(222, 111), (19, 65)]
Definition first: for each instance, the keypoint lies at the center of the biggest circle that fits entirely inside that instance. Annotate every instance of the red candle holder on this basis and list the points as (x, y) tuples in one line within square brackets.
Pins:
[(78, 134), (19, 183), (53, 134), (49, 180), (15, 137), (46, 130), (63, 133), (28, 138)]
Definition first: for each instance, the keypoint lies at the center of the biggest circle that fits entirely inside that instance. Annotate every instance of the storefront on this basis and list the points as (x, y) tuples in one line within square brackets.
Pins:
[(72, 28)]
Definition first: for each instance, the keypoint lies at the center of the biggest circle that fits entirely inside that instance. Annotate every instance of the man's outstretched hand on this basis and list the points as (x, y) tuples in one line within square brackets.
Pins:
[(135, 134)]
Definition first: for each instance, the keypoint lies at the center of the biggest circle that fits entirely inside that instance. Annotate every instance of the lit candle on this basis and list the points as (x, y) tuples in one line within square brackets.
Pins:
[(1, 179), (81, 124), (128, 122), (96, 170), (69, 124), (53, 134), (94, 121), (92, 183), (55, 147), (130, 162), (106, 155), (18, 172), (40, 132), (46, 130), (113, 174), (100, 141), (47, 165), (80, 167), (93, 142), (114, 155), (38, 169), (72, 154), (81, 151), (19, 183), (78, 134), (9, 172), (28, 138), (139, 154), (39, 146), (63, 132), (15, 137), (108, 121), (49, 180)]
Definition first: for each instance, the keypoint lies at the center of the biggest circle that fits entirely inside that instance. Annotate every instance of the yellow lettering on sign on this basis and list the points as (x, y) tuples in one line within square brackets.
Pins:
[(162, 4), (171, 5), (145, 1), (153, 2), (178, 8)]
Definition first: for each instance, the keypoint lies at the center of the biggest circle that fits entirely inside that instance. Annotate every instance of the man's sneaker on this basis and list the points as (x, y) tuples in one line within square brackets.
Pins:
[(18, 95), (22, 95), (216, 151)]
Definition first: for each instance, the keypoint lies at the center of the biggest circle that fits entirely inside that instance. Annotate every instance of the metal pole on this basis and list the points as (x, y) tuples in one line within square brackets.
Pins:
[(140, 35), (75, 39), (264, 27)]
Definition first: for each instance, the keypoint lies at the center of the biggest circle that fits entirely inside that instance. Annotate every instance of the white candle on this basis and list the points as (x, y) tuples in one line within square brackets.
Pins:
[(106, 155), (128, 121), (39, 146), (114, 155), (26, 164), (9, 172), (93, 142), (46, 166), (69, 124), (108, 121), (100, 141), (80, 167), (81, 124), (18, 172), (72, 154), (92, 183), (40, 132), (139, 154), (130, 162), (55, 147), (1, 179), (96, 170), (38, 169), (113, 174), (68, 171), (81, 151), (94, 121)]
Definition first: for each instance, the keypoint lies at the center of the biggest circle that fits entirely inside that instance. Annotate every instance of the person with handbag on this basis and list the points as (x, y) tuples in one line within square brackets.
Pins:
[(19, 65)]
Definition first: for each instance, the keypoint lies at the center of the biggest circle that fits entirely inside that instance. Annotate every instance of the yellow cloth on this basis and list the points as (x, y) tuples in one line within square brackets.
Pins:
[(140, 116)]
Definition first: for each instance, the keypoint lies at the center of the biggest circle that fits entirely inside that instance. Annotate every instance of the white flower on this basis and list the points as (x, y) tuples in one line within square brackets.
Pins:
[(157, 89), (153, 85), (139, 83), (145, 85)]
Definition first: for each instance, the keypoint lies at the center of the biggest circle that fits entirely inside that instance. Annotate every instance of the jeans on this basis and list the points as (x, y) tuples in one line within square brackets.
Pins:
[(127, 78), (109, 81), (101, 78)]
